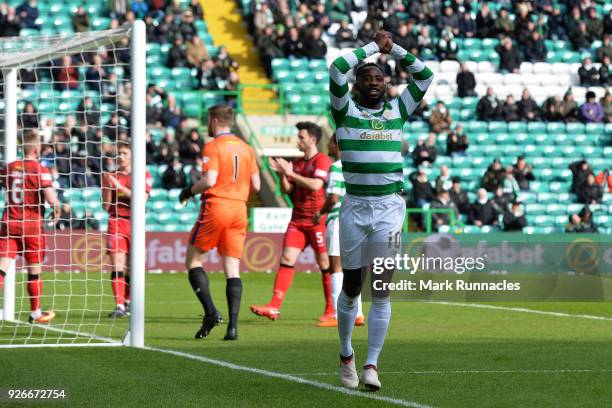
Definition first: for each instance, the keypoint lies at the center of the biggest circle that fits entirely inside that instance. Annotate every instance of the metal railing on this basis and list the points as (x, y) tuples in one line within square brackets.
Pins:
[(428, 215)]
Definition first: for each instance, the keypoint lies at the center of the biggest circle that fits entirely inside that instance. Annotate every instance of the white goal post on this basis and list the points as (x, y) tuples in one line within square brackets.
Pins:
[(86, 290)]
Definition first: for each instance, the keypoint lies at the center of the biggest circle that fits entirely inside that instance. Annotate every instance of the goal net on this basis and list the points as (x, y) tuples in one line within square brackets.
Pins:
[(77, 93)]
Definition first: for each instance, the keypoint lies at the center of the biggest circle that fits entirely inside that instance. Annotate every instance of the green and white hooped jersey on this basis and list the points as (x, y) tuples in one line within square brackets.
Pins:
[(370, 141), (335, 185)]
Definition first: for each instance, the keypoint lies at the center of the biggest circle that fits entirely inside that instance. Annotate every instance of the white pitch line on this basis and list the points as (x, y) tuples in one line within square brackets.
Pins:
[(523, 310), (438, 372), (290, 377)]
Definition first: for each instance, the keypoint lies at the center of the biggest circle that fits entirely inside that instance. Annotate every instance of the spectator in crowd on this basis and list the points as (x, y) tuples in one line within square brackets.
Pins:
[(586, 219), (29, 117), (80, 20), (443, 181), (556, 27), (268, 44), (582, 39), (590, 192), (606, 104), (569, 108), (446, 48), (171, 115), (459, 197), (140, 8), (405, 38), (192, 147), (523, 173), (514, 217), (448, 20), (483, 212), (509, 58), (440, 119), (169, 142), (165, 29), (493, 176), (574, 224), (504, 24), (174, 176), (581, 222), (344, 36), (206, 75), (443, 201), (196, 10), (80, 175), (177, 56), (605, 73), (535, 49), (528, 108), (151, 149), (224, 64), (88, 112), (604, 179), (551, 109), (196, 52), (425, 153), (426, 45), (485, 22), (510, 186), (423, 11), (232, 85), (593, 23), (163, 155), (509, 111), (422, 191), (66, 77), (489, 107), (467, 26), (366, 33), (186, 28), (591, 111), (605, 50), (28, 14), (263, 17), (607, 22), (579, 169), (153, 112), (314, 46), (294, 46), (588, 73), (96, 73), (457, 142), (195, 174), (10, 23), (466, 82)]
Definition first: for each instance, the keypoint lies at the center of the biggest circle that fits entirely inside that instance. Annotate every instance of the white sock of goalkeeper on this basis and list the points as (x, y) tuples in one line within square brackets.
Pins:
[(347, 312), (336, 288), (378, 323), (359, 306)]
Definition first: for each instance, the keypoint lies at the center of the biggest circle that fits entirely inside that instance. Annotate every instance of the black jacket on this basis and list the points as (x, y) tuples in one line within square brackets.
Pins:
[(485, 213)]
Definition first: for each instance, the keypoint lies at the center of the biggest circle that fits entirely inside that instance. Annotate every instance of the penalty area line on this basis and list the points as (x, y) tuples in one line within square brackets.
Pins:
[(522, 310), (289, 377), (519, 371)]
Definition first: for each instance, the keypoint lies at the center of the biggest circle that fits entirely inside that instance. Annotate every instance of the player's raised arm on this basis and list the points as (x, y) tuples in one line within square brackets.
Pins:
[(416, 88), (339, 94)]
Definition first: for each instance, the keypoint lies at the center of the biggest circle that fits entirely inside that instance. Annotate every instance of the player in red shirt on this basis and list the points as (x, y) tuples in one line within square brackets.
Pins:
[(28, 185), (305, 180), (116, 198)]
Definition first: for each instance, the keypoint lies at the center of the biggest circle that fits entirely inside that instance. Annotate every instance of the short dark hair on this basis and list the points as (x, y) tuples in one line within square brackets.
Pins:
[(312, 128), (30, 140), (122, 144), (368, 65), (223, 113)]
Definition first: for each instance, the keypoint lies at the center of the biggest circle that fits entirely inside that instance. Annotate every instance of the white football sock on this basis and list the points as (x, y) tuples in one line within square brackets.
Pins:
[(336, 288), (359, 306), (378, 323), (347, 312), (36, 314)]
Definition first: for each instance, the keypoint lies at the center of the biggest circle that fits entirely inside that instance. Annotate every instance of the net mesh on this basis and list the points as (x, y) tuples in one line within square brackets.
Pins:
[(75, 92)]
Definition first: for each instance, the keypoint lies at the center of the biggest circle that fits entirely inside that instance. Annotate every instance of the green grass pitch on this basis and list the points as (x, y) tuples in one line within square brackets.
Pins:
[(435, 355)]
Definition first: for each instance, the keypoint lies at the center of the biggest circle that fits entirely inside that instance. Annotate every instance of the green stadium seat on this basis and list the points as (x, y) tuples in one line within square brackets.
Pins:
[(318, 65), (489, 43), (471, 229), (535, 208), (594, 128), (516, 127), (574, 128), (543, 197), (555, 209), (299, 64), (158, 194), (536, 127)]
